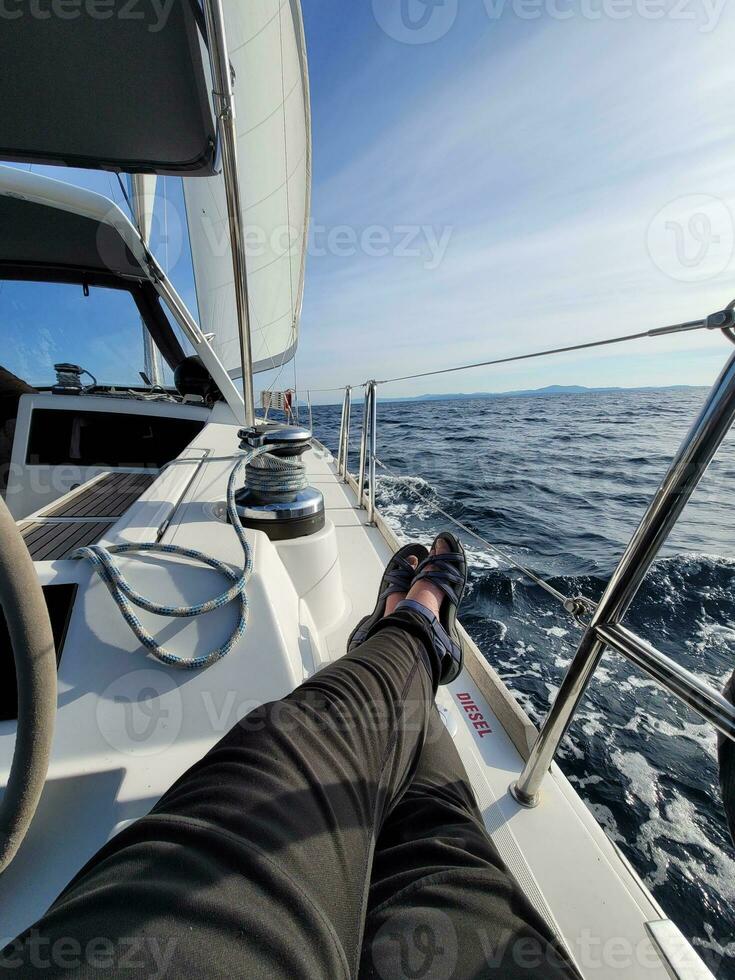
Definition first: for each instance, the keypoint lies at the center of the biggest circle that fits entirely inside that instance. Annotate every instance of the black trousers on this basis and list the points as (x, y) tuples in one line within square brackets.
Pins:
[(333, 834)]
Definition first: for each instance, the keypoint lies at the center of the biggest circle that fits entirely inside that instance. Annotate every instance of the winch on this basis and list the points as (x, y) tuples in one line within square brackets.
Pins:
[(69, 379), (276, 497)]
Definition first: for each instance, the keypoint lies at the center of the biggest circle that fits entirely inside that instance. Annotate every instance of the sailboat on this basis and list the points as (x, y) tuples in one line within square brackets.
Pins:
[(175, 484)]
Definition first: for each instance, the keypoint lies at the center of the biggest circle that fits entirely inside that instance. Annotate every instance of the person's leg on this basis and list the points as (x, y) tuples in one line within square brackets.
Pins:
[(257, 862), (442, 904)]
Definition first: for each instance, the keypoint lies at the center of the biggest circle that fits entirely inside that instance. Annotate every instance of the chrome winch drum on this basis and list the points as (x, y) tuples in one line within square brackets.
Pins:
[(266, 503)]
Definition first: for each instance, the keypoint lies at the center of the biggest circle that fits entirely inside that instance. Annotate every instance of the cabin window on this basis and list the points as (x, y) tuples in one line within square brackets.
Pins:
[(106, 439), (46, 323)]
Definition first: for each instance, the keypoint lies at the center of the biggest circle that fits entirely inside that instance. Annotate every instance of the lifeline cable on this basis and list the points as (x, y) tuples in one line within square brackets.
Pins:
[(567, 601), (708, 323)]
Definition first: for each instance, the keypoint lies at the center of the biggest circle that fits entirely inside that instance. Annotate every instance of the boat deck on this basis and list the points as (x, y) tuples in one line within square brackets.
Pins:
[(127, 726)]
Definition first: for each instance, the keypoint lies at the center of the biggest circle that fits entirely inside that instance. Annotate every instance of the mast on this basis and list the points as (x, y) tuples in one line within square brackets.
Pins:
[(143, 195), (224, 104)]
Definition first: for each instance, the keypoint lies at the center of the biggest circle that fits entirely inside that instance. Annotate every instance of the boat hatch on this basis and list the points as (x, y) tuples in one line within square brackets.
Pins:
[(84, 517)]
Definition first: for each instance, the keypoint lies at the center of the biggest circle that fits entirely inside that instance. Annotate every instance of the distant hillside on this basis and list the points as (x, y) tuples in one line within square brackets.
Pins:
[(531, 392)]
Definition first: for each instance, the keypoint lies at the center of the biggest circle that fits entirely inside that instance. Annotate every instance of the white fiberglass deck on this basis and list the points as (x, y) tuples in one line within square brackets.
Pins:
[(127, 726)]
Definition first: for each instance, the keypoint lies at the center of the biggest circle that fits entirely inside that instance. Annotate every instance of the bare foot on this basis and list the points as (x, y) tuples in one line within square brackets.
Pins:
[(424, 591), (392, 601)]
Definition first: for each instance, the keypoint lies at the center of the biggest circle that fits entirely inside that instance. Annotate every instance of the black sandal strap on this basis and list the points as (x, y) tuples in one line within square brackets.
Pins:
[(446, 570), (398, 576), (444, 645)]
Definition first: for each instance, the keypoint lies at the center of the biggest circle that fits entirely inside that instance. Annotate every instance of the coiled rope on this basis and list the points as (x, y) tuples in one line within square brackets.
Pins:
[(278, 475)]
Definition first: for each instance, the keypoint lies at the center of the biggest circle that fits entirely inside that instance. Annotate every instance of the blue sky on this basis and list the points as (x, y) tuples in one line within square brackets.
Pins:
[(541, 172)]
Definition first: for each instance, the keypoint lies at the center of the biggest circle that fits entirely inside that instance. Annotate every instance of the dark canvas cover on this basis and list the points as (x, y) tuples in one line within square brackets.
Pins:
[(112, 84)]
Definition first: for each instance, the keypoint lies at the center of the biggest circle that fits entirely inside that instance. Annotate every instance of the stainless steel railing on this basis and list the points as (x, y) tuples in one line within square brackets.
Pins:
[(605, 627), (343, 451), (368, 449)]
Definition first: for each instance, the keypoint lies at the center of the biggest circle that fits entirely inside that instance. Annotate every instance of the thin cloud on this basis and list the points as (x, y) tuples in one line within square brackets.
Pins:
[(548, 154)]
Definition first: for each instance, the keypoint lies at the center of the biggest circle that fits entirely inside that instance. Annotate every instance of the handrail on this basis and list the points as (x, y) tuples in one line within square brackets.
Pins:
[(605, 628), (363, 451), (343, 451), (687, 469), (687, 687), (368, 444)]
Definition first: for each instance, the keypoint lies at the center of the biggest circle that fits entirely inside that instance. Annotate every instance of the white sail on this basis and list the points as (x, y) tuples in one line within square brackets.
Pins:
[(267, 53), (143, 188)]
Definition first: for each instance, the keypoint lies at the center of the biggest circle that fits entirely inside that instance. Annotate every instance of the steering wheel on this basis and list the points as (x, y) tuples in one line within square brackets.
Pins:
[(32, 640)]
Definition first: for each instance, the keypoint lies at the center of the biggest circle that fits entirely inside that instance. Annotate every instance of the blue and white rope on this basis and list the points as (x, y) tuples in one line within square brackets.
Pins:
[(126, 597)]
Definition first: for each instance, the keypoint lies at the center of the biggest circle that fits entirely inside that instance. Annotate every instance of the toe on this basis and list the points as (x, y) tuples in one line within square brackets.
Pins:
[(441, 546)]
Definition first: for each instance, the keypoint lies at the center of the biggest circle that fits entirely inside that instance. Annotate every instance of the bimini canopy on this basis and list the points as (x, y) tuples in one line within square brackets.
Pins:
[(118, 85), (268, 56), (53, 232), (49, 227)]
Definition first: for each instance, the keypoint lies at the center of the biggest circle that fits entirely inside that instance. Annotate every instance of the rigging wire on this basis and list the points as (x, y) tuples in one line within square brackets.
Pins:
[(707, 323), (657, 332), (577, 606), (567, 601), (127, 201), (336, 388), (164, 195)]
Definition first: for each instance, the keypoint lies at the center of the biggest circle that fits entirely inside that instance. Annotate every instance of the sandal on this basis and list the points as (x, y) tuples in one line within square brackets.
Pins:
[(398, 577), (448, 571)]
